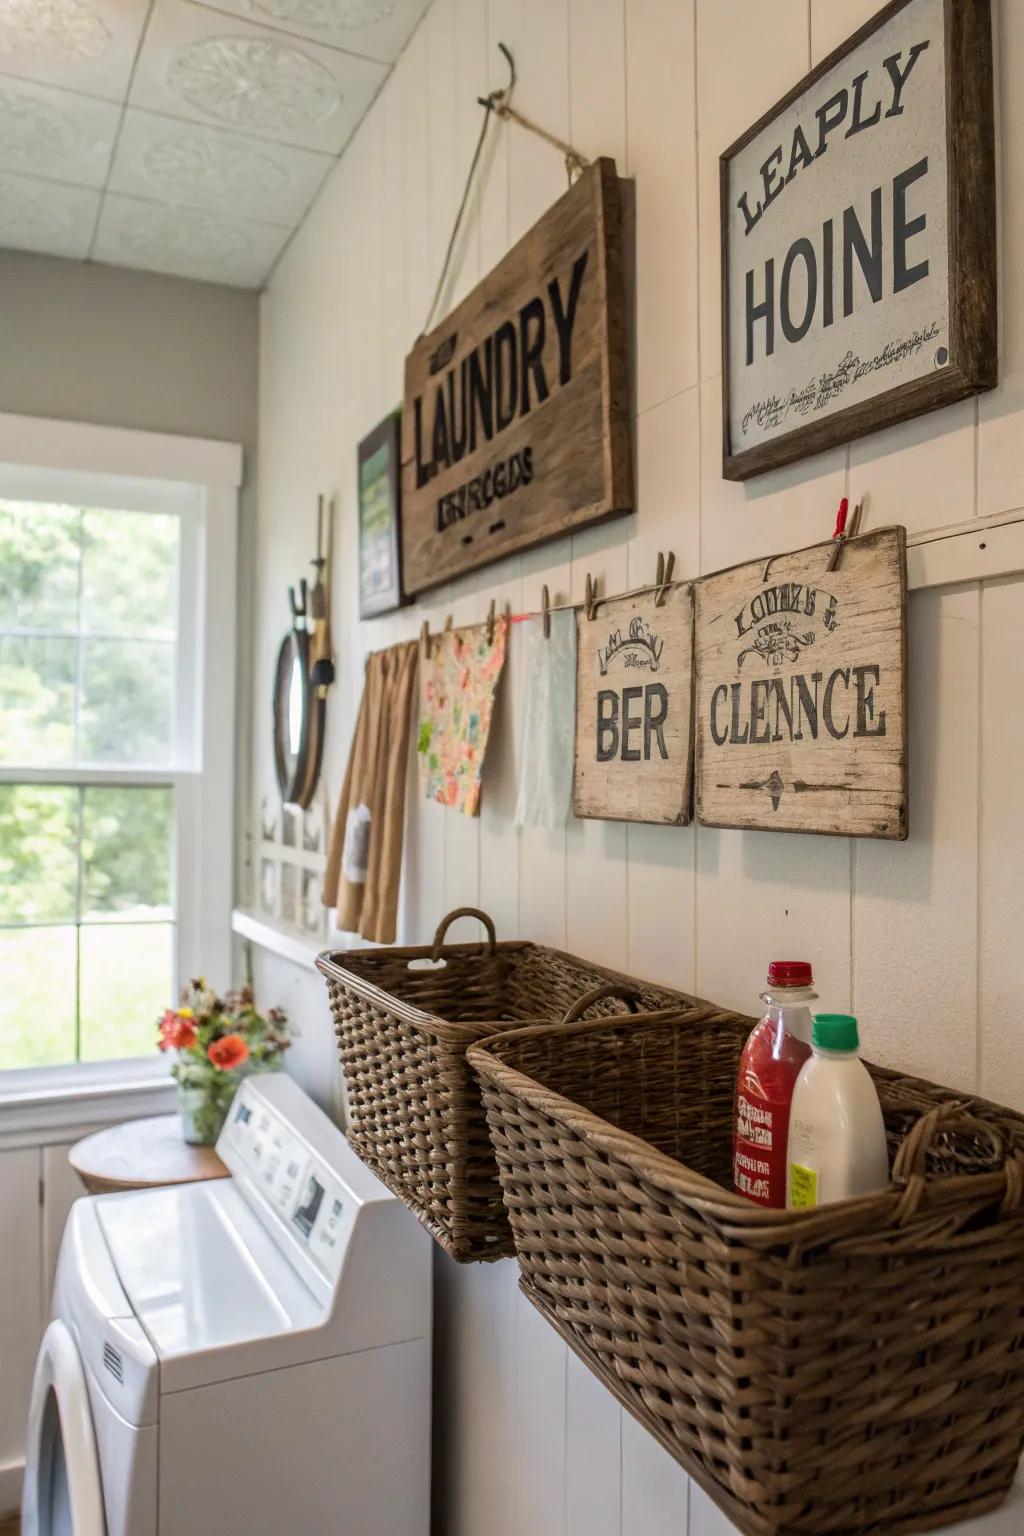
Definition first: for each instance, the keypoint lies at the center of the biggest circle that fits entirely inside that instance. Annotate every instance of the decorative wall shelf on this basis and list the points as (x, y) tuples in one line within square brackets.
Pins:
[(287, 946)]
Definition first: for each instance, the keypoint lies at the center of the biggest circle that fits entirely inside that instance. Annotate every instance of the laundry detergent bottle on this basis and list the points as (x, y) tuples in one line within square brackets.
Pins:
[(837, 1146), (771, 1062)]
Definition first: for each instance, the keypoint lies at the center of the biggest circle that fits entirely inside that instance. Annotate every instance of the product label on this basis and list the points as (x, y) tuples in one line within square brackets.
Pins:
[(768, 1072), (803, 1187)]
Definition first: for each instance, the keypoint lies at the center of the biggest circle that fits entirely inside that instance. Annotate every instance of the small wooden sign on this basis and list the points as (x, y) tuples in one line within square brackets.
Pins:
[(801, 691), (859, 240), (634, 709), (516, 419)]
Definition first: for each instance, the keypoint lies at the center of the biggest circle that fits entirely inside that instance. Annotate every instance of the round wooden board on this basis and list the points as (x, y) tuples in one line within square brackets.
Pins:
[(142, 1154)]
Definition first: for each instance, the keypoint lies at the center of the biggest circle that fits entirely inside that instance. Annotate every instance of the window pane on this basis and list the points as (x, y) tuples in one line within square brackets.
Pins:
[(126, 852), (125, 985), (37, 999), (39, 552), (37, 700), (38, 853), (127, 704), (129, 573)]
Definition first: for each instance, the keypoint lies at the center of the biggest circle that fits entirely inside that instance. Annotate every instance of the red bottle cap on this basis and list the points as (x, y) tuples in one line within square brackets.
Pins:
[(790, 973)]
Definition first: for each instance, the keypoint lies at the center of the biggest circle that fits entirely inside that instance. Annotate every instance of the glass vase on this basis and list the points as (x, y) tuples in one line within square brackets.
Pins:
[(203, 1112), (204, 1106)]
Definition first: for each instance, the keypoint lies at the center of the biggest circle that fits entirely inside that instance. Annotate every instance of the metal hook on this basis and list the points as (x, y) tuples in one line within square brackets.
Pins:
[(496, 98), (663, 577), (545, 611)]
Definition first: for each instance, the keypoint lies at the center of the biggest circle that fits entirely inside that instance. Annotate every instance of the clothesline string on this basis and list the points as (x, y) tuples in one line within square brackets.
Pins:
[(538, 613)]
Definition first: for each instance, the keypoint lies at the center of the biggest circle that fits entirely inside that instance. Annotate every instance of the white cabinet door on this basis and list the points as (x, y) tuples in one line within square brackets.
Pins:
[(21, 1307)]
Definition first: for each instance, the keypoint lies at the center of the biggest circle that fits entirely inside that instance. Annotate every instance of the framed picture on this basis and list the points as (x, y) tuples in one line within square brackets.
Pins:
[(380, 567), (859, 240)]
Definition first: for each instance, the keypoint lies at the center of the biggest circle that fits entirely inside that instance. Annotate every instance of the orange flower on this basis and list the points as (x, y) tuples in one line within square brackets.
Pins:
[(227, 1052), (177, 1031)]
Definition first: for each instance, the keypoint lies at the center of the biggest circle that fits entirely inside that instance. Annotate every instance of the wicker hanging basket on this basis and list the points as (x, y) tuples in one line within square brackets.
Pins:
[(855, 1369), (405, 1018)]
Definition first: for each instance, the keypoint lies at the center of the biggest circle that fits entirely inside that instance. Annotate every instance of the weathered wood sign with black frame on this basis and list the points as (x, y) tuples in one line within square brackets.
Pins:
[(801, 691), (859, 241), (516, 419)]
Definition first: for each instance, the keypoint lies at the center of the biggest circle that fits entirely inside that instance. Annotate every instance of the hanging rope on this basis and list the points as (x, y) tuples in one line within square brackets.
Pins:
[(499, 104)]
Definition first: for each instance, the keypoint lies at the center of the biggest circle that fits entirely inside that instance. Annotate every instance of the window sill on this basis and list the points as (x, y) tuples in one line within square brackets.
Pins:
[(39, 1107)]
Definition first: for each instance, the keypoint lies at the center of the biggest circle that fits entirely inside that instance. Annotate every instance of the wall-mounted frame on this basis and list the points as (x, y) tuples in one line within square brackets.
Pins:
[(859, 240), (378, 490)]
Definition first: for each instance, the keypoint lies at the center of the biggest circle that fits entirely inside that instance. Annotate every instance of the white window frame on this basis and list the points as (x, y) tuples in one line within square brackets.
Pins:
[(198, 479)]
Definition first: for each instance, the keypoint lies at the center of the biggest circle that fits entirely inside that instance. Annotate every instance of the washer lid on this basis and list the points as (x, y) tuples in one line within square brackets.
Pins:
[(214, 1293)]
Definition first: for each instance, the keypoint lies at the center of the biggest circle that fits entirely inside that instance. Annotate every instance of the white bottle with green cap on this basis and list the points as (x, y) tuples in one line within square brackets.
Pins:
[(837, 1143)]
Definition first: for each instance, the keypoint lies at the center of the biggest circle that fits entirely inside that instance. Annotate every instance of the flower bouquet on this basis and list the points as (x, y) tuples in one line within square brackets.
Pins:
[(218, 1041)]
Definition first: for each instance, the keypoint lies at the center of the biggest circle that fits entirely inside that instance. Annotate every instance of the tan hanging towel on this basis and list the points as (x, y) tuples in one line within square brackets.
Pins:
[(364, 859)]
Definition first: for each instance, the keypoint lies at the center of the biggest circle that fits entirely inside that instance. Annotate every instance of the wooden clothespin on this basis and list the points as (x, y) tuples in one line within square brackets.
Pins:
[(590, 597), (425, 638), (663, 577), (845, 530), (448, 624), (545, 612), (491, 614)]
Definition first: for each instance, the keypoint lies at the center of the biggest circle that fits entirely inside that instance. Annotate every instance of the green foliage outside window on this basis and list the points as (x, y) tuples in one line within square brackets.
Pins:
[(88, 619)]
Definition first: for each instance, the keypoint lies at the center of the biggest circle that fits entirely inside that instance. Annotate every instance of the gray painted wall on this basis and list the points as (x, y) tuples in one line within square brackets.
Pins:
[(82, 342)]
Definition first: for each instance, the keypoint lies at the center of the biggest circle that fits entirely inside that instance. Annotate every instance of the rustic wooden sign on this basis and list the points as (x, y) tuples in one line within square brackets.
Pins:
[(801, 691), (516, 419), (634, 709), (859, 240)]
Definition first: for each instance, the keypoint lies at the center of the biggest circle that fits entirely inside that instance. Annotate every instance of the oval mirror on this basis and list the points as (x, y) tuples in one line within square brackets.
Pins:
[(298, 722)]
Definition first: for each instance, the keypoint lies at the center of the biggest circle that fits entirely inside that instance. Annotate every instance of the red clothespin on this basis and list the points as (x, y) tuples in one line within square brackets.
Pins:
[(843, 532)]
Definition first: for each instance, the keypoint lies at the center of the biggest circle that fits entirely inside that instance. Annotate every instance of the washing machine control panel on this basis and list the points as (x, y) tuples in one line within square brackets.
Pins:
[(297, 1185)]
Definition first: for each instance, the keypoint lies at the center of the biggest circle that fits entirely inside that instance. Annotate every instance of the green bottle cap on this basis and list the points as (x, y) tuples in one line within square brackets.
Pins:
[(835, 1032)]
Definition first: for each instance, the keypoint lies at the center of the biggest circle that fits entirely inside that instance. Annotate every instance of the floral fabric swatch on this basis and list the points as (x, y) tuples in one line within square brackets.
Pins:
[(458, 681)]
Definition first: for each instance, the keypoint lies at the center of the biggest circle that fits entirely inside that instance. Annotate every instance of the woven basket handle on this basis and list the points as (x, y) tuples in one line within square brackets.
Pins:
[(910, 1166), (629, 995), (446, 922)]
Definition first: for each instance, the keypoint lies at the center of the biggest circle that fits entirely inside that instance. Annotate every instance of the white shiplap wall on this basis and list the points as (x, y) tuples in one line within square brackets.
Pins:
[(921, 939)]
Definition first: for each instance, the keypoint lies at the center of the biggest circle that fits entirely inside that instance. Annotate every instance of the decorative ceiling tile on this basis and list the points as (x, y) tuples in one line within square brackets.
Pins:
[(257, 83), (46, 216), (52, 31), (198, 64), (47, 132), (175, 162), (186, 242), (378, 29), (82, 45)]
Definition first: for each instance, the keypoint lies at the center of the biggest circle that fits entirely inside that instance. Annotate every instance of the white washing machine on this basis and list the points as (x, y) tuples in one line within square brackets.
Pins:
[(248, 1354)]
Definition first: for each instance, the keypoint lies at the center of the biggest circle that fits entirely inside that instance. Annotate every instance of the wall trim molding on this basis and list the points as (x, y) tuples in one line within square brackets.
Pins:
[(60, 1106), (47, 443)]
